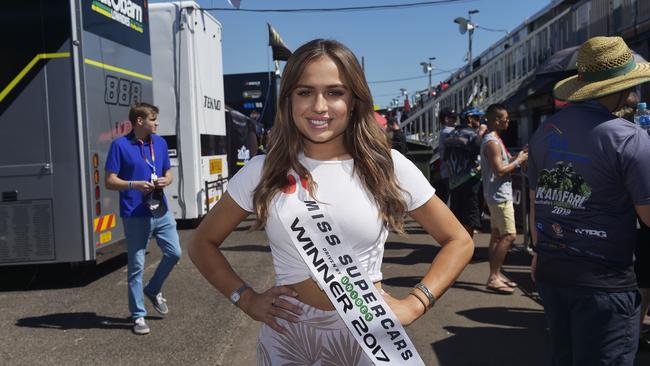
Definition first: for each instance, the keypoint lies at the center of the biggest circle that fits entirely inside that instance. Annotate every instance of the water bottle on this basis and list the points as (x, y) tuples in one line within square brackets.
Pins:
[(642, 116)]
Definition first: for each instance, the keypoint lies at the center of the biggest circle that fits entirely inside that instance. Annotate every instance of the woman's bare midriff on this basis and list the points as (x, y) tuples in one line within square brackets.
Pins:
[(310, 294)]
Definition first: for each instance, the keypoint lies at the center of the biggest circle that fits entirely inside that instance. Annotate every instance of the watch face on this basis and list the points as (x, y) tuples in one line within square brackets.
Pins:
[(234, 297)]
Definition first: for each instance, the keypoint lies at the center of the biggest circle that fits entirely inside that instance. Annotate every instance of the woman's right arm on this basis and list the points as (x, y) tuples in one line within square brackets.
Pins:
[(207, 257)]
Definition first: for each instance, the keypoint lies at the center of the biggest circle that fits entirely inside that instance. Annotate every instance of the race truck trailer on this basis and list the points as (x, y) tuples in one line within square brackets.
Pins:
[(242, 139), (70, 71), (188, 88)]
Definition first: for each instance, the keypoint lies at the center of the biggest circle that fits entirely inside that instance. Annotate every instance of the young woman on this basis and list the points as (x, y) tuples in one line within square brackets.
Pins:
[(325, 135)]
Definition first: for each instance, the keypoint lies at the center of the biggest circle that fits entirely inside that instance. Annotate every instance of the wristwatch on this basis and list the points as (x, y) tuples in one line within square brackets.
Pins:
[(234, 297)]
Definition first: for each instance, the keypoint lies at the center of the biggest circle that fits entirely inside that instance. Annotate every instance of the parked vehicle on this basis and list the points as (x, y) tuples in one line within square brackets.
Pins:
[(72, 69), (188, 89), (242, 139)]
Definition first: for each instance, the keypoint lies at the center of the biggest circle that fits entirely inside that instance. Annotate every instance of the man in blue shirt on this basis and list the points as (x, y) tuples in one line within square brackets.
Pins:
[(138, 167), (589, 173)]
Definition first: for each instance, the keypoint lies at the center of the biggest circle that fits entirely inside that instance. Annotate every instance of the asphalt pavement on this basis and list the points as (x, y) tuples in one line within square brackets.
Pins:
[(52, 315)]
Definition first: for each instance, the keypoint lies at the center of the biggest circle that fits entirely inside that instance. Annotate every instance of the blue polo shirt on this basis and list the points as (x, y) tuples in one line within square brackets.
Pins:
[(588, 169), (130, 160)]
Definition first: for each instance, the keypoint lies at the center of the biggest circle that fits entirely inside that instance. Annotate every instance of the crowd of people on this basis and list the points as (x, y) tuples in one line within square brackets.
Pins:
[(475, 171), (589, 184)]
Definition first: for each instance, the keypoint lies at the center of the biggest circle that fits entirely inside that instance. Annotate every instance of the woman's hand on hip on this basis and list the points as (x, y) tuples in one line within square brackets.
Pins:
[(269, 305), (407, 309)]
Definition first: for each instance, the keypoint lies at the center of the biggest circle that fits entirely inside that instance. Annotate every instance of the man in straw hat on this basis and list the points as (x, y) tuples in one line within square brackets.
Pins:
[(589, 171)]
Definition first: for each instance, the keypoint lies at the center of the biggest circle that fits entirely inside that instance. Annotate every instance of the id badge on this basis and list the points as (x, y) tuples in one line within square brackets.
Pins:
[(154, 177)]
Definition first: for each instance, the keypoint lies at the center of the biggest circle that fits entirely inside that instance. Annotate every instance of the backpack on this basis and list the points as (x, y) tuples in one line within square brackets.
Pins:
[(461, 153)]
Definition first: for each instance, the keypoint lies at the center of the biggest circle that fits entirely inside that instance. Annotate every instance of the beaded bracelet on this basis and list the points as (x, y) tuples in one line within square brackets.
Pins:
[(432, 299)]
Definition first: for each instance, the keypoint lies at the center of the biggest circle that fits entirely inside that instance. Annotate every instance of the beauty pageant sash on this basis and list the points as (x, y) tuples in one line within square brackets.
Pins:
[(325, 250)]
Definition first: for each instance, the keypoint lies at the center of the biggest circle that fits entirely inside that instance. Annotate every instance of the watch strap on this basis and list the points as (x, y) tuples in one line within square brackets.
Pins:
[(236, 295)]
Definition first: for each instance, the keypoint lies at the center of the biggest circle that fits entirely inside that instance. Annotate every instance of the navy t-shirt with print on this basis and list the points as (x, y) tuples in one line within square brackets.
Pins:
[(588, 169), (128, 159)]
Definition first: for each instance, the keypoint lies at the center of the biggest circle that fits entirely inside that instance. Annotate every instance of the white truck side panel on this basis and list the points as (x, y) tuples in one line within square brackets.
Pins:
[(205, 32), (189, 135), (209, 74), (162, 19), (188, 88)]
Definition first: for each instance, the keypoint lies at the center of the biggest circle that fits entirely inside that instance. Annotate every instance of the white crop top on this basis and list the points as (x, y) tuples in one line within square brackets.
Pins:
[(348, 205)]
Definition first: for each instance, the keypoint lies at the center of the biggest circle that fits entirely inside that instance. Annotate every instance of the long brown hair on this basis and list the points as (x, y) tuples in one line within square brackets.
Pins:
[(363, 138)]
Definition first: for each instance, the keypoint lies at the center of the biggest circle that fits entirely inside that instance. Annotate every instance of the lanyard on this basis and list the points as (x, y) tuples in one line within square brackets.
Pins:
[(152, 165)]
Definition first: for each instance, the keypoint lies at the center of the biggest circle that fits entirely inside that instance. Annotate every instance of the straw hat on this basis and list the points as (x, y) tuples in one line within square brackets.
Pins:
[(605, 66)]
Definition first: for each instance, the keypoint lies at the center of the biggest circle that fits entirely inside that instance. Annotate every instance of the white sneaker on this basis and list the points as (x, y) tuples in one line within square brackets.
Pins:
[(158, 301), (140, 327)]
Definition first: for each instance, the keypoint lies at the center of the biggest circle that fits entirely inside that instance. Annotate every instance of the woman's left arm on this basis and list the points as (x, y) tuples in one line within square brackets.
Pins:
[(456, 252)]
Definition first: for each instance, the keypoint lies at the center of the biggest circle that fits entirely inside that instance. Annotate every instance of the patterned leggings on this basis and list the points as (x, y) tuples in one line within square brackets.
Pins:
[(319, 338)]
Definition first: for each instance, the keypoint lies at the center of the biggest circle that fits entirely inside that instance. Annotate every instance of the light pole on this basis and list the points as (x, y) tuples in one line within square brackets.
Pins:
[(466, 25), (405, 94), (426, 68), (398, 114)]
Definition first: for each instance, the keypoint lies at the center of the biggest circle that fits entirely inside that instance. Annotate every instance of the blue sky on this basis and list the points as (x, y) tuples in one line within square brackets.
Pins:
[(392, 42)]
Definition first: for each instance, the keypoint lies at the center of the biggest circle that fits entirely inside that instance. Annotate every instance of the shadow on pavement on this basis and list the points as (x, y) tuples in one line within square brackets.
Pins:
[(479, 287), (420, 253), (415, 231), (247, 224), (56, 276), (243, 228), (525, 344), (518, 256), (65, 321), (424, 253), (408, 281), (525, 283), (510, 317), (517, 269)]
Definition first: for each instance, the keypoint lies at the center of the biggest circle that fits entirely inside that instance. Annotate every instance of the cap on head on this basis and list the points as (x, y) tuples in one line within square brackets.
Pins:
[(471, 111), (605, 66)]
